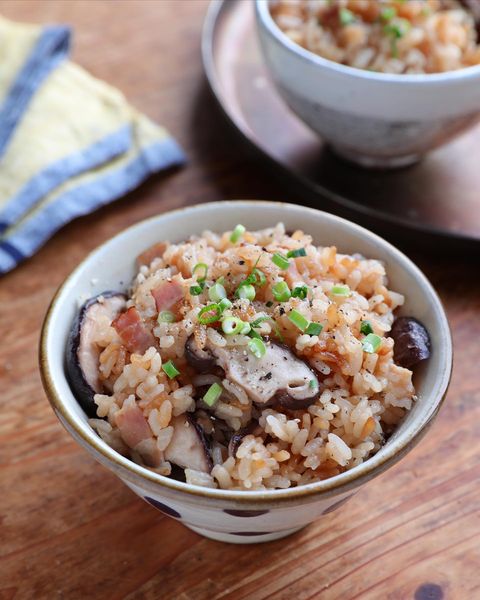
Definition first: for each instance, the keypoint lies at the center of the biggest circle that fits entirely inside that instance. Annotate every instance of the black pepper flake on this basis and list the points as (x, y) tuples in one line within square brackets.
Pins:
[(241, 262), (282, 310)]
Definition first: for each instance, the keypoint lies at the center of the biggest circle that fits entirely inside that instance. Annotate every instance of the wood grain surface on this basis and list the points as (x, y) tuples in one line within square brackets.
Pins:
[(70, 529)]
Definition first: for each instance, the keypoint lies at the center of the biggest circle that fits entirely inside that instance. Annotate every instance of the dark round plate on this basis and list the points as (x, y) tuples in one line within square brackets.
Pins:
[(435, 200)]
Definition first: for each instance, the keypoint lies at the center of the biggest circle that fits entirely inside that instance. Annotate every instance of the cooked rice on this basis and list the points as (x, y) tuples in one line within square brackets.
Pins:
[(388, 36), (364, 395)]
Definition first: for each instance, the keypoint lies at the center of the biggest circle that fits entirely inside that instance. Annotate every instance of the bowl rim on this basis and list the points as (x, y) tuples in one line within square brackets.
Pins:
[(443, 78), (338, 484)]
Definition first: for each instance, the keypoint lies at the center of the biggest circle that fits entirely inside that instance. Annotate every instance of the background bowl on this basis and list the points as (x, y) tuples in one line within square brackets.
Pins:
[(242, 517), (373, 119)]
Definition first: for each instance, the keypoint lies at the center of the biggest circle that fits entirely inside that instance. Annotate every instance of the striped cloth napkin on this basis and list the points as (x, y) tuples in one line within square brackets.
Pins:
[(69, 143)]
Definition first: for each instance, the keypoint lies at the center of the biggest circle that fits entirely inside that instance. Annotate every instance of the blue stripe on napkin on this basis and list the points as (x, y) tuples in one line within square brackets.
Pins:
[(51, 47), (57, 173), (30, 236)]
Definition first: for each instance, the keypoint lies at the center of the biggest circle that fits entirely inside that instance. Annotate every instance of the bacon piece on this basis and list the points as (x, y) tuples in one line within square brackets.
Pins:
[(132, 425), (155, 251), (135, 335), (167, 294)]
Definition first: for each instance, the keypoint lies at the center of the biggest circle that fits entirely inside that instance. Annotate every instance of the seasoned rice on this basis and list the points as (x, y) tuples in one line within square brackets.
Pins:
[(363, 395), (388, 36)]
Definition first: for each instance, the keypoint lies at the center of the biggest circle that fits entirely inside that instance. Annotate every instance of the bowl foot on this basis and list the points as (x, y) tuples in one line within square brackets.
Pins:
[(249, 537), (376, 162)]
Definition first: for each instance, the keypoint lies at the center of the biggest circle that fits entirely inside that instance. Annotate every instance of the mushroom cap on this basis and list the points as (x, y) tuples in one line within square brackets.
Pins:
[(412, 342), (83, 354), (188, 447)]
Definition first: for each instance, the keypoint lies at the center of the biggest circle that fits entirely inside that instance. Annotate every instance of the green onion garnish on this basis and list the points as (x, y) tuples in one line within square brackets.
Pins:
[(170, 370), (237, 233), (341, 290), (260, 278), (371, 343), (387, 14), (298, 320), (196, 290), (246, 328), (253, 334), (300, 291), (231, 325), (209, 314), (246, 292), (166, 316), (398, 28), (366, 327), (281, 292), (217, 292), (224, 304), (281, 261), (213, 394), (346, 16), (313, 384), (221, 280), (313, 328), (200, 267), (257, 347), (259, 321), (296, 253)]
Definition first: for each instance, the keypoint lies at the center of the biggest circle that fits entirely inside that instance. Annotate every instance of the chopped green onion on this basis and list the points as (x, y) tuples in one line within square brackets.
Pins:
[(246, 328), (346, 16), (387, 14), (217, 292), (314, 328), (313, 384), (398, 28), (281, 261), (166, 316), (209, 314), (231, 325), (213, 394), (200, 267), (246, 292), (366, 327), (300, 291), (253, 334), (257, 347), (221, 280), (259, 321), (298, 320), (170, 370), (371, 343), (196, 290), (341, 290), (281, 292), (260, 278), (297, 252), (224, 304), (237, 233)]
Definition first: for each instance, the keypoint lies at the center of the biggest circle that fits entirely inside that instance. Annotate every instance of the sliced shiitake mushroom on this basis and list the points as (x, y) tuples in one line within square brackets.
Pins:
[(200, 360), (412, 342), (237, 437), (278, 377), (82, 352), (188, 447)]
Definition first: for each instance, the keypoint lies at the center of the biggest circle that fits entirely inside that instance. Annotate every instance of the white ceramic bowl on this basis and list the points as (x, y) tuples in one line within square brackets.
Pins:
[(242, 517), (374, 119)]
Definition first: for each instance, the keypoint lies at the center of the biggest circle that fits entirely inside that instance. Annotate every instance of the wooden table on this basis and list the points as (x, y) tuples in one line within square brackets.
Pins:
[(70, 529)]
